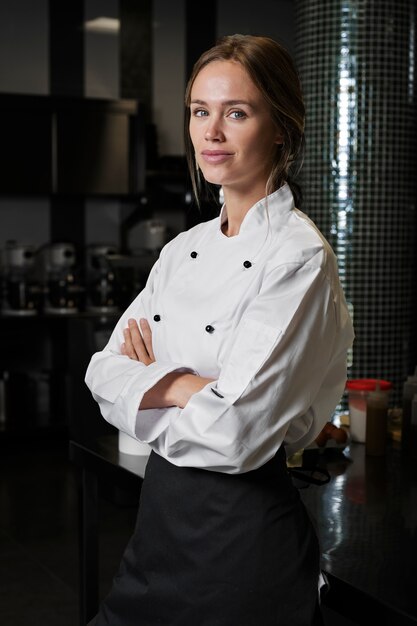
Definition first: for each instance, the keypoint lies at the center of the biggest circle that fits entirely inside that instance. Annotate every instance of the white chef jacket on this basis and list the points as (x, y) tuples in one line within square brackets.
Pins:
[(263, 313)]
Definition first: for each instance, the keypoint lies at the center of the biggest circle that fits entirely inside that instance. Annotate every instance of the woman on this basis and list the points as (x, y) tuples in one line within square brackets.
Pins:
[(231, 358)]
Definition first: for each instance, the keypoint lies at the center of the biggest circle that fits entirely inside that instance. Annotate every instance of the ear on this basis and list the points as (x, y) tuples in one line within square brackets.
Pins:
[(279, 135), (279, 138)]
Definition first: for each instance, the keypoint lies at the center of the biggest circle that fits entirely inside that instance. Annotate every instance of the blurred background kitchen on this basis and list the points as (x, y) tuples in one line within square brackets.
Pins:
[(93, 183)]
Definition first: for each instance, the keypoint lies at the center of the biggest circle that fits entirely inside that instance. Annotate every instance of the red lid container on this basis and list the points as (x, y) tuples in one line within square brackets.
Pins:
[(368, 384)]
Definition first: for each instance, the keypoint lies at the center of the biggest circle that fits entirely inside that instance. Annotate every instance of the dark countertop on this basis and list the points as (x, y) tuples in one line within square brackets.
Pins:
[(366, 518)]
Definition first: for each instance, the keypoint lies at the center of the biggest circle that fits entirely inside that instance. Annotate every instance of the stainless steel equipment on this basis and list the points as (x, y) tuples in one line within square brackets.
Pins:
[(61, 283), (147, 236), (102, 288), (20, 289)]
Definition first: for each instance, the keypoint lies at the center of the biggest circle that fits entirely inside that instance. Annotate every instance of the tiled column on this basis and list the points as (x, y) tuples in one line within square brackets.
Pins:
[(356, 60)]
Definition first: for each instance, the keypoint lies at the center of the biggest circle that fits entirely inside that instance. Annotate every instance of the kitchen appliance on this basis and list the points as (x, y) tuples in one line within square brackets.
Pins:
[(147, 236), (62, 287), (102, 288), (20, 288)]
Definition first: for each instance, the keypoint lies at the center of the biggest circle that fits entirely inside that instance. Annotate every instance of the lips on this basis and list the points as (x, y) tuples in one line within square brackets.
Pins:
[(216, 156)]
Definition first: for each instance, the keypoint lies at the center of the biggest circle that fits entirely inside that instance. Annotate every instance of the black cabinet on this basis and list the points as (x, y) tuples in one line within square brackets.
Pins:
[(66, 149), (42, 367), (33, 375), (25, 147), (62, 145)]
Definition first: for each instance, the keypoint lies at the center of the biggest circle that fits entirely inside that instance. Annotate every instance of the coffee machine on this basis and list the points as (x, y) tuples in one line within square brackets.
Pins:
[(20, 288), (102, 286), (62, 289)]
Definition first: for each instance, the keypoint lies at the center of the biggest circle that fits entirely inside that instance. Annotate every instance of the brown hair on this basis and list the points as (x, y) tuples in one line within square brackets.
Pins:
[(272, 70)]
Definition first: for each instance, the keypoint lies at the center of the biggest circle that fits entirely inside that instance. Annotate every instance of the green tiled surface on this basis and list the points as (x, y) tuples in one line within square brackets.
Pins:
[(356, 60)]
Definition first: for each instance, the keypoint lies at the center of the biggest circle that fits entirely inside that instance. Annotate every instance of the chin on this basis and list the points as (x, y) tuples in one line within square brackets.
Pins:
[(214, 181), (212, 178)]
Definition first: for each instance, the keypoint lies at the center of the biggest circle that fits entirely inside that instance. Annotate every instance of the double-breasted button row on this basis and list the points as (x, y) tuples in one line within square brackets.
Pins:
[(246, 264), (209, 327)]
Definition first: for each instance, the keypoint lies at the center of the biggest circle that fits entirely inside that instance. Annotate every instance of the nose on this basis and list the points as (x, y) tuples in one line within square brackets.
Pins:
[(214, 130)]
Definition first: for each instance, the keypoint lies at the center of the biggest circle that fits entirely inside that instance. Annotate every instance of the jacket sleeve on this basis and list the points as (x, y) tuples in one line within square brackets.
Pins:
[(118, 383), (287, 353)]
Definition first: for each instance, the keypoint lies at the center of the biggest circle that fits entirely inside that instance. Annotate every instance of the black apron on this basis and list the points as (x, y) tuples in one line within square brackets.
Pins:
[(214, 549)]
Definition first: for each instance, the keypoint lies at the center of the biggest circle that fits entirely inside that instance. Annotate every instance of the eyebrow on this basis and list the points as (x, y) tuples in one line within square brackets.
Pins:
[(225, 102)]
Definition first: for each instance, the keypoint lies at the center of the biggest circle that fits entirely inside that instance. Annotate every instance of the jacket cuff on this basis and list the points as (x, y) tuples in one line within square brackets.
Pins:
[(126, 408)]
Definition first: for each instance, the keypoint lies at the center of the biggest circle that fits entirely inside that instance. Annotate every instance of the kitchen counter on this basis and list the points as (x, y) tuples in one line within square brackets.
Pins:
[(366, 518)]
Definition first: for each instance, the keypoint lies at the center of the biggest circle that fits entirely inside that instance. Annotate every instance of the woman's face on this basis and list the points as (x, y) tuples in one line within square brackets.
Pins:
[(231, 128)]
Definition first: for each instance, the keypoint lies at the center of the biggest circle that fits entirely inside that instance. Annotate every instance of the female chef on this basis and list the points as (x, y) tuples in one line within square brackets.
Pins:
[(232, 357)]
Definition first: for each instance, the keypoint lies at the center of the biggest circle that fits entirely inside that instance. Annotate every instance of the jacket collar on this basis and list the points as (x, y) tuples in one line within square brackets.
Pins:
[(276, 205)]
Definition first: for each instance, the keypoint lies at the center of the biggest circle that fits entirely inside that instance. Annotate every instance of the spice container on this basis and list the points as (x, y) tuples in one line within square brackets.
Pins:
[(358, 392), (409, 430), (376, 421)]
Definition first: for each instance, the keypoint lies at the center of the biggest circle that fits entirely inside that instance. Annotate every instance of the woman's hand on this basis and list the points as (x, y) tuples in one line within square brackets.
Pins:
[(137, 345), (184, 386), (175, 388)]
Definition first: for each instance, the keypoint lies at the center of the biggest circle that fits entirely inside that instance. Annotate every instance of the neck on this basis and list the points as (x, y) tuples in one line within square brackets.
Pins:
[(237, 205)]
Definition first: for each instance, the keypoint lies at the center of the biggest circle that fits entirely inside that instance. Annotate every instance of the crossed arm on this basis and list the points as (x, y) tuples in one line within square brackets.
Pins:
[(174, 389)]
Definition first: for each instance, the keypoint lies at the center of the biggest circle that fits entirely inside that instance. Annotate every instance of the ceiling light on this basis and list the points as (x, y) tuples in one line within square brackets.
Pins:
[(103, 25)]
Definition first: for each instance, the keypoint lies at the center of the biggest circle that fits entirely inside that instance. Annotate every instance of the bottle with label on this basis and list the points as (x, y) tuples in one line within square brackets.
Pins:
[(409, 431), (376, 422)]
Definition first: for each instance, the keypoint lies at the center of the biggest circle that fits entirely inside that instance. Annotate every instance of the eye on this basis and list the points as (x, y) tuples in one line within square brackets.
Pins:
[(237, 115), (199, 113)]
